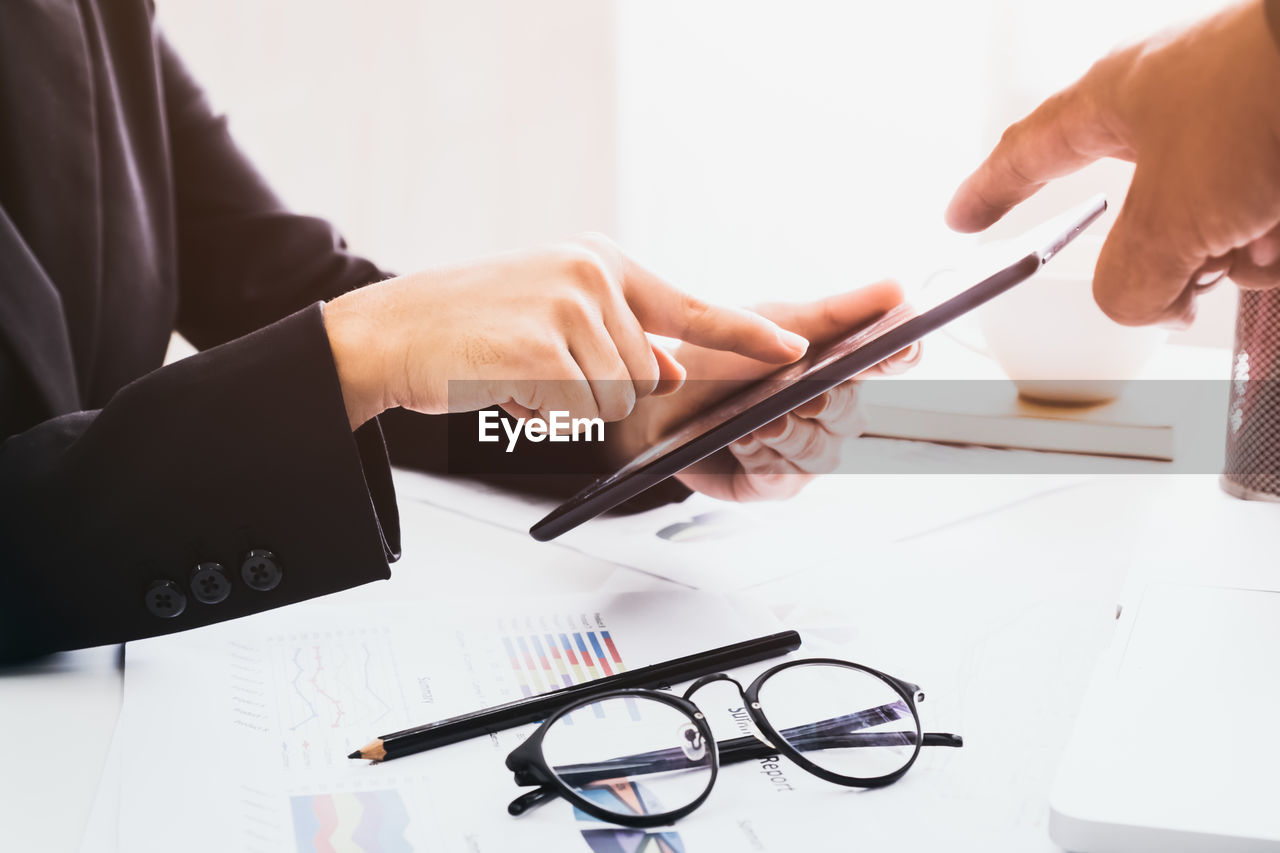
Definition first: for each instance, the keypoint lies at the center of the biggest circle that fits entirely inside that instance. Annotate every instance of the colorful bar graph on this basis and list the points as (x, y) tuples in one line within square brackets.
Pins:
[(559, 653)]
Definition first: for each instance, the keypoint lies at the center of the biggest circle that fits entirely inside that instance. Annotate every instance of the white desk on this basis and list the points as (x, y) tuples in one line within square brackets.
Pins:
[(999, 616)]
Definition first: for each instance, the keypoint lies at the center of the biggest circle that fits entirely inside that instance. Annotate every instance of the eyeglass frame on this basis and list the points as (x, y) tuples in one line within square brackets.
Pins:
[(529, 765)]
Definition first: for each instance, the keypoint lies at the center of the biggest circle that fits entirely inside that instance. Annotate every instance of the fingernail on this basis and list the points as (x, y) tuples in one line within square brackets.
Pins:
[(1264, 252), (893, 366), (1209, 277), (792, 341), (672, 385)]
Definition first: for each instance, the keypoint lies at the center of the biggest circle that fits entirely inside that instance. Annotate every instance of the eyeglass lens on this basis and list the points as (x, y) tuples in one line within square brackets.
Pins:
[(630, 756), (846, 721)]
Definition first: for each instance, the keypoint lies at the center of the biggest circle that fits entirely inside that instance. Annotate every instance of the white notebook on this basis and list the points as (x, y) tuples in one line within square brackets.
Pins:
[(1171, 413)]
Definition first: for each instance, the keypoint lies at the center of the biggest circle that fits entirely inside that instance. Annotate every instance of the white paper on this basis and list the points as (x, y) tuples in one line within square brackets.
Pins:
[(241, 730), (717, 545), (101, 833)]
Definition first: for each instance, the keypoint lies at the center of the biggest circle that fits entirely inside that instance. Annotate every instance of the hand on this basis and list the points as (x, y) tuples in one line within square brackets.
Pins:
[(779, 458), (560, 328), (1198, 112)]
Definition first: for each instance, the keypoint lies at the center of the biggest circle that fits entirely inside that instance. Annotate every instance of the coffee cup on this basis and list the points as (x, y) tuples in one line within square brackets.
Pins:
[(1051, 338)]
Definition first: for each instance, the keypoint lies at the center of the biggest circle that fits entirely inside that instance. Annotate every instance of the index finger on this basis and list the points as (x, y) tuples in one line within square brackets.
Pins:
[(1065, 133), (666, 310)]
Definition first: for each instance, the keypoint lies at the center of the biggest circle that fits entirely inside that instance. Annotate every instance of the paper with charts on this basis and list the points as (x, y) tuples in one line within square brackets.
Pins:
[(236, 735)]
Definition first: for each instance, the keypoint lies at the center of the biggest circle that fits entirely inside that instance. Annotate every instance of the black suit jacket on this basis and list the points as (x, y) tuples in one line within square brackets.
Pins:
[(125, 212), (137, 499)]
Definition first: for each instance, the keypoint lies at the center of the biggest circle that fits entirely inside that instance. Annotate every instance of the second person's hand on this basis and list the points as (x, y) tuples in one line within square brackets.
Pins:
[(1197, 111)]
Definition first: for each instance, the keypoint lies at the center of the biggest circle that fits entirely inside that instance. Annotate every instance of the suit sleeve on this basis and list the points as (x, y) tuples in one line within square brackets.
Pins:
[(218, 486)]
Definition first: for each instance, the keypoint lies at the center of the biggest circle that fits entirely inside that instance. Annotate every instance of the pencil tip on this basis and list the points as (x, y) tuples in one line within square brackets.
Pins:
[(355, 754)]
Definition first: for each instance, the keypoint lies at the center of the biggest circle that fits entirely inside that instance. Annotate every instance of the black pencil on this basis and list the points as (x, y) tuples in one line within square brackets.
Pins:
[(534, 708)]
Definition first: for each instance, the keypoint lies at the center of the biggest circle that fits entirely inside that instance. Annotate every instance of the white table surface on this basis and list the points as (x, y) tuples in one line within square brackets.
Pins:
[(1000, 616)]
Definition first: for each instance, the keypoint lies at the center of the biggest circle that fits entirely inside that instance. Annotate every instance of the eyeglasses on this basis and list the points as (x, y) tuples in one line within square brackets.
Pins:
[(645, 758)]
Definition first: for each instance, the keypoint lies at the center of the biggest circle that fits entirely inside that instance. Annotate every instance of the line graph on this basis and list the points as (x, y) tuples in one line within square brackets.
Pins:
[(331, 687), (323, 692)]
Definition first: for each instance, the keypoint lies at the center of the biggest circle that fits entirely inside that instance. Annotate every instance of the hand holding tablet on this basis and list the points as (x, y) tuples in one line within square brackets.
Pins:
[(775, 461), (821, 369)]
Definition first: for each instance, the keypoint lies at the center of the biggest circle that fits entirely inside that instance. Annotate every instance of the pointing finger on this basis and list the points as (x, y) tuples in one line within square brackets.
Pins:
[(664, 310), (1065, 133), (834, 316)]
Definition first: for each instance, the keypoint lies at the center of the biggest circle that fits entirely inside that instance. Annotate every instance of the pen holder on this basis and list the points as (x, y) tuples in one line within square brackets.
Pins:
[(1252, 469)]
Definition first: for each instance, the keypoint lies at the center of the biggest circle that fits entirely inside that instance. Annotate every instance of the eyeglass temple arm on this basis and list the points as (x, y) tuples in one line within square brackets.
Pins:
[(843, 731), (747, 748), (531, 800), (819, 735)]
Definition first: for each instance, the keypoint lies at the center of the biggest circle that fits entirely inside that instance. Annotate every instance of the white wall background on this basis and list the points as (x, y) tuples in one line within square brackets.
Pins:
[(747, 150), (428, 130)]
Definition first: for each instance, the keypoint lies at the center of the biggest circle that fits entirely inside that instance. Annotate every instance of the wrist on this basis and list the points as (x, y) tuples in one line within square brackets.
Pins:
[(355, 344)]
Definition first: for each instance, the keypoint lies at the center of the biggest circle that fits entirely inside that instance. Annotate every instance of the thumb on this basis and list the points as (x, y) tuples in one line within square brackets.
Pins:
[(1257, 265), (671, 373), (1146, 266)]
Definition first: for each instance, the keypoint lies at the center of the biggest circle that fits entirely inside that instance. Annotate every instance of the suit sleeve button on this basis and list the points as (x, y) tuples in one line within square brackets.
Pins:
[(261, 570), (165, 599), (209, 583)]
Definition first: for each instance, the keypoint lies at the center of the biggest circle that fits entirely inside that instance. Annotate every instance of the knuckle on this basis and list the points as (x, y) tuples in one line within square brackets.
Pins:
[(571, 393), (817, 454), (1011, 134), (824, 406), (766, 466), (786, 429), (596, 241), (616, 404), (813, 444), (646, 382), (582, 267), (693, 310), (564, 370), (545, 350), (573, 310), (847, 405)]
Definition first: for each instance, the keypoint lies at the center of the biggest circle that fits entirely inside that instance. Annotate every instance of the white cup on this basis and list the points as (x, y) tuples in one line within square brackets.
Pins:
[(1054, 342)]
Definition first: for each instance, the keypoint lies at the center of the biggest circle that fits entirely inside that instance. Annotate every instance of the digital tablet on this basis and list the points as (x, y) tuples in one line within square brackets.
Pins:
[(820, 370)]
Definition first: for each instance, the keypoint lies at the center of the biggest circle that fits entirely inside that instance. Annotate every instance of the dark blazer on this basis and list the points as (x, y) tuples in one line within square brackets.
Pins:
[(137, 499)]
